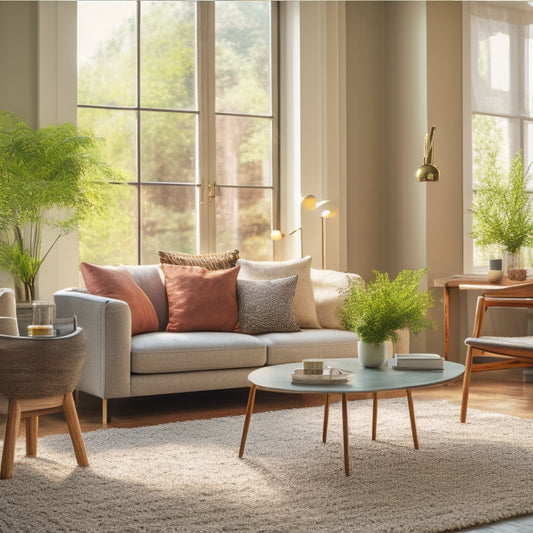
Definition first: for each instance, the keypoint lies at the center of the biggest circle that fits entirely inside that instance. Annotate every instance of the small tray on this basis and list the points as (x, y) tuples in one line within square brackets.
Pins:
[(329, 375)]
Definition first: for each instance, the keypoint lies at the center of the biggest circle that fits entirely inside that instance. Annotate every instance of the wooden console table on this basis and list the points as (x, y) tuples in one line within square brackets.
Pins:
[(465, 282)]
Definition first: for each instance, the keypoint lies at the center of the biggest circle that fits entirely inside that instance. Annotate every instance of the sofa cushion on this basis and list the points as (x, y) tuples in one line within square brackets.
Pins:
[(304, 300), (150, 280), (266, 305), (215, 261), (330, 289), (117, 282), (201, 299), (164, 352), (309, 344)]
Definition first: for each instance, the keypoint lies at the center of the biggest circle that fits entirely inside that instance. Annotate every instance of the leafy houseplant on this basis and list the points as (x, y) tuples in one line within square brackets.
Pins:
[(50, 179), (501, 207), (377, 310)]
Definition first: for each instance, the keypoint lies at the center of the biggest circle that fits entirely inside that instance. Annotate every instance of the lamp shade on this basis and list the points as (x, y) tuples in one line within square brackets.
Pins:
[(428, 171)]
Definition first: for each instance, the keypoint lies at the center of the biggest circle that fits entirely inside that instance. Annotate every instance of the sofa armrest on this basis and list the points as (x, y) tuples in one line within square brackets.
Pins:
[(106, 371)]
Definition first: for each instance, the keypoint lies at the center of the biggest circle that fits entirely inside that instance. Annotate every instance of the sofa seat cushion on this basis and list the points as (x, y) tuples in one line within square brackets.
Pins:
[(309, 343), (162, 352)]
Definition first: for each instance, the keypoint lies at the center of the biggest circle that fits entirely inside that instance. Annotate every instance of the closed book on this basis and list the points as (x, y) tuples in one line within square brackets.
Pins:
[(417, 361)]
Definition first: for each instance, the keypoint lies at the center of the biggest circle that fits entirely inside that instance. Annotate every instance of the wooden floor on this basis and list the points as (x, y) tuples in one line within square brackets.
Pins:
[(503, 391)]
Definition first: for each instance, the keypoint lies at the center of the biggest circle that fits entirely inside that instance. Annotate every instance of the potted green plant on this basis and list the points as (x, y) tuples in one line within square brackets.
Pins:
[(376, 311), (50, 178), (501, 209)]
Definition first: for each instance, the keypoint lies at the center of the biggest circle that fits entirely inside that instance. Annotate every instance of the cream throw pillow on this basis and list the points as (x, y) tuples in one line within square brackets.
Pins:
[(304, 300), (330, 289)]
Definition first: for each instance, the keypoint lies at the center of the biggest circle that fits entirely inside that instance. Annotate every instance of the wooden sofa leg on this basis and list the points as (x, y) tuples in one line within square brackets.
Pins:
[(105, 418)]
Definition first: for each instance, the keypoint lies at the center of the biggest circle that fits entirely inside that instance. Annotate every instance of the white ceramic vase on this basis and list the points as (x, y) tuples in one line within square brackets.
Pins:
[(372, 355)]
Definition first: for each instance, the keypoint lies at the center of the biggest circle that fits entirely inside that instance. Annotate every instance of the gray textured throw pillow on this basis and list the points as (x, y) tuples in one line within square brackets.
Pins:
[(265, 306)]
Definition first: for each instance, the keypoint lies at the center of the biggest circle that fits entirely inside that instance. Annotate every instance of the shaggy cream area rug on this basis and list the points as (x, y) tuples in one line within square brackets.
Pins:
[(187, 477)]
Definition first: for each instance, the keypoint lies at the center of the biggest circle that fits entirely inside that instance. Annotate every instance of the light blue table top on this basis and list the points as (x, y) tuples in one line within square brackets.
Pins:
[(278, 378)]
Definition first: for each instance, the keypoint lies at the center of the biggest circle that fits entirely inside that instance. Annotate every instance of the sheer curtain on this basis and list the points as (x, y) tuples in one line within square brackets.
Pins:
[(499, 67)]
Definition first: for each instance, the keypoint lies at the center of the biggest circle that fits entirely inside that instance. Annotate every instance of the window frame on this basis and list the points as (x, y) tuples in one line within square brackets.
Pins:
[(205, 179)]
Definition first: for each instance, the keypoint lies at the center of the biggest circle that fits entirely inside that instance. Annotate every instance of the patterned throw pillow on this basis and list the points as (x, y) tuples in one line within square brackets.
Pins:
[(265, 306), (216, 261), (201, 299), (304, 300)]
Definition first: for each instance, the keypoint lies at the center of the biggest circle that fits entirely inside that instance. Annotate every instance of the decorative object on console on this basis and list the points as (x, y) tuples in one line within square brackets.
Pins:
[(428, 171), (501, 209), (265, 306), (54, 178), (304, 300), (495, 272), (517, 274), (378, 310), (215, 261), (117, 282), (200, 299)]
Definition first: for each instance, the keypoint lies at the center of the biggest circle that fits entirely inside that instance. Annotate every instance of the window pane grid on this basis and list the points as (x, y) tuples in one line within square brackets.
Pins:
[(158, 147)]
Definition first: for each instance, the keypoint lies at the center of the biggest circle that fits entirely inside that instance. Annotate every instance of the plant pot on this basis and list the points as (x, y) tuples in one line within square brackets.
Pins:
[(372, 355), (511, 261)]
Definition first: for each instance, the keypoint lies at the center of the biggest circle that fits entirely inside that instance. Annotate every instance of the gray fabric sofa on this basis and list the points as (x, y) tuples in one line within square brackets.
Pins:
[(119, 365)]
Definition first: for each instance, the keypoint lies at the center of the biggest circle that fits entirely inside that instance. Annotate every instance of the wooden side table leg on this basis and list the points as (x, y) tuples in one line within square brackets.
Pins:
[(412, 417), (326, 418), (73, 423), (374, 414), (248, 416), (10, 439), (446, 323), (345, 434), (32, 430)]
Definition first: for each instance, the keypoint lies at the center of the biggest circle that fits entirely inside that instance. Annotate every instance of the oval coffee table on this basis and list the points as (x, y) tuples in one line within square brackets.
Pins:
[(277, 378)]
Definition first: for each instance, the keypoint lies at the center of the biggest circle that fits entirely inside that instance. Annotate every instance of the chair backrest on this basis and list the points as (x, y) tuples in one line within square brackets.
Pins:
[(35, 367), (8, 312)]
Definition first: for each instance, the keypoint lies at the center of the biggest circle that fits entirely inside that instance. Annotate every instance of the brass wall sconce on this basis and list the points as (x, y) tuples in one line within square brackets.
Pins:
[(428, 171)]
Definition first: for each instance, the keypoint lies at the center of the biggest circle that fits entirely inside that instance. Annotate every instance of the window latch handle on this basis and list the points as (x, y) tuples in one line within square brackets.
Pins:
[(211, 191)]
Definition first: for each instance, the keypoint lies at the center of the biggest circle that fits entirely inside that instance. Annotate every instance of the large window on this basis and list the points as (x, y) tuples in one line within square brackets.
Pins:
[(501, 95), (184, 93)]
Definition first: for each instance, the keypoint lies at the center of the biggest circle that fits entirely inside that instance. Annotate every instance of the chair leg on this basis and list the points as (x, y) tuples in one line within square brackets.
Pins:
[(466, 382), (10, 439), (73, 423), (32, 430)]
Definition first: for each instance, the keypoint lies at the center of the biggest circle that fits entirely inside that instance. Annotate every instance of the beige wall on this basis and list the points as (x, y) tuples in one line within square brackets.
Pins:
[(38, 83), (403, 75)]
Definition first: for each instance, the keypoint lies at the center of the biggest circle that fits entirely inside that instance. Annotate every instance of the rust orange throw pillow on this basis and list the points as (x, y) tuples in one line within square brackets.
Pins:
[(117, 282), (200, 299)]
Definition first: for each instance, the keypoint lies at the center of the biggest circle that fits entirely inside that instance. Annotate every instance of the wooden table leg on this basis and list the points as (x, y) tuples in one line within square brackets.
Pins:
[(374, 414), (412, 417), (446, 323), (326, 418), (248, 416), (345, 434)]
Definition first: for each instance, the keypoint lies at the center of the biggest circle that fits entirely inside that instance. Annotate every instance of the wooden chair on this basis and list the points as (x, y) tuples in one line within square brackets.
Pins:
[(494, 353), (37, 377)]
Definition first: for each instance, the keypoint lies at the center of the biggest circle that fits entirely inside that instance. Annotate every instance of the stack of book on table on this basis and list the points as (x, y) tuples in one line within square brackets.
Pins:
[(417, 361)]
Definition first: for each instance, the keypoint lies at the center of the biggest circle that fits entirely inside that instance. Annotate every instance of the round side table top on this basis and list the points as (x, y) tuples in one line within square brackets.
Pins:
[(278, 377)]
